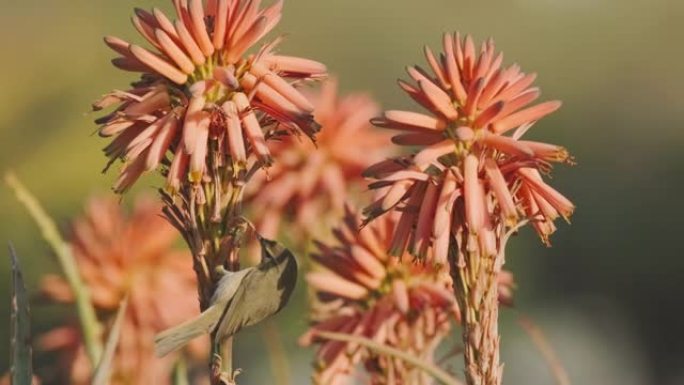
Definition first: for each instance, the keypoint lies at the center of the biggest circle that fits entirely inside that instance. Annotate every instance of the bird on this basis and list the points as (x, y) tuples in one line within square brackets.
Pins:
[(242, 298)]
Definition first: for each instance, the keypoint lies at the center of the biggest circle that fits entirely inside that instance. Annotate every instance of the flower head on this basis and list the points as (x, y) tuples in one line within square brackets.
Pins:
[(361, 290), (119, 256), (201, 97), (469, 176), (309, 182)]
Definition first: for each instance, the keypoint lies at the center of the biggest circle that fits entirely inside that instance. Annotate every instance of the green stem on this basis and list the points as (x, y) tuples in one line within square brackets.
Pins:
[(225, 228), (90, 326), (180, 373)]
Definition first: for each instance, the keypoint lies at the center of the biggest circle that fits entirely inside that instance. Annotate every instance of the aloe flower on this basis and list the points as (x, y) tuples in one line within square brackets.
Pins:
[(362, 290), (473, 180), (309, 183), (464, 153), (202, 98), (119, 255)]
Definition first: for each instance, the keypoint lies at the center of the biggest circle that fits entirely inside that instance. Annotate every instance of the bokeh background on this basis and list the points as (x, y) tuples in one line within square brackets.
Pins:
[(609, 291)]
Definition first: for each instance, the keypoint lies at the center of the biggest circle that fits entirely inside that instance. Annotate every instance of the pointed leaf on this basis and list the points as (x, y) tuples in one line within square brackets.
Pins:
[(86, 313), (104, 367), (21, 365)]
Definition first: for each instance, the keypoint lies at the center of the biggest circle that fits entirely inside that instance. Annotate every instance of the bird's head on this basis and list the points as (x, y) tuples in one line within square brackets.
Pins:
[(272, 251)]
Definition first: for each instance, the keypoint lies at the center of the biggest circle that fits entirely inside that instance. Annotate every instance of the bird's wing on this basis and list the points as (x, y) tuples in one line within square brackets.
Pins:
[(249, 305), (262, 292), (228, 285)]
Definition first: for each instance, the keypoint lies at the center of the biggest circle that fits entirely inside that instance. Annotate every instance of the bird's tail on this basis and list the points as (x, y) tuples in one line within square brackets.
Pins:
[(178, 336)]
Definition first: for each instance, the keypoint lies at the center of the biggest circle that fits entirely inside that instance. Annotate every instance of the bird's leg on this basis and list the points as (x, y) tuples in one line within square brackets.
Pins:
[(219, 376), (216, 367)]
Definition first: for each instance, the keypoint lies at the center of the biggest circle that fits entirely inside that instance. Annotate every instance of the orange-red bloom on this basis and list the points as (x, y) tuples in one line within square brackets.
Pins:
[(310, 182), (119, 255), (201, 96), (361, 290), (469, 176)]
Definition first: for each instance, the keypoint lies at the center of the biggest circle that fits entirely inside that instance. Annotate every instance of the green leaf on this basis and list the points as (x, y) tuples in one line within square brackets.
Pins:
[(86, 313), (21, 364), (104, 367)]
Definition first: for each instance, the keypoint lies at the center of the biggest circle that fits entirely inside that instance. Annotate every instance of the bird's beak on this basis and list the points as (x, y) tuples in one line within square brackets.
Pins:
[(266, 248)]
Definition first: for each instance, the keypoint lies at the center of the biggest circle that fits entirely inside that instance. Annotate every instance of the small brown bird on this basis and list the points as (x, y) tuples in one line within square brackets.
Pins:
[(242, 298)]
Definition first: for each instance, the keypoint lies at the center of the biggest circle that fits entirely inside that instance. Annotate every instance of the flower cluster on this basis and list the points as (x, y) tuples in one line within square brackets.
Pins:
[(470, 178), (119, 256), (361, 290), (309, 182), (472, 182), (201, 97)]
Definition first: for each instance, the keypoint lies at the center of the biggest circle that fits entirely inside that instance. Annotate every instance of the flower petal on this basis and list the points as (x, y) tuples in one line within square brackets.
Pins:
[(473, 194), (158, 64), (525, 116)]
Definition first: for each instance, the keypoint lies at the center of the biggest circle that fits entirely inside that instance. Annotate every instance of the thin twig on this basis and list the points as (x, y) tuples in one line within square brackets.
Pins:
[(437, 373), (546, 350), (90, 326)]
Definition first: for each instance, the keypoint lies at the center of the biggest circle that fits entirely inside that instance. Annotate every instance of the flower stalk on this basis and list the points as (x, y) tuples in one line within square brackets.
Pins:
[(476, 289), (202, 113), (471, 180), (209, 215)]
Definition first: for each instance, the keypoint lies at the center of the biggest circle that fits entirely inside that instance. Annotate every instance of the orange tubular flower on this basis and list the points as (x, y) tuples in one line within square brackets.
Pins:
[(468, 174), (201, 96), (361, 290), (469, 185), (121, 255), (312, 181)]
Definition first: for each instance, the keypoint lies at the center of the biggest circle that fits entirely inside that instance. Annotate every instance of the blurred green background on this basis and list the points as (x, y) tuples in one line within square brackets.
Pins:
[(608, 293)]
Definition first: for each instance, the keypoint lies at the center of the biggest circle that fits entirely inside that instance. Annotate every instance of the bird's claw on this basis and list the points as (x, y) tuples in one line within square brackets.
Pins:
[(236, 373), (220, 377), (229, 379)]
